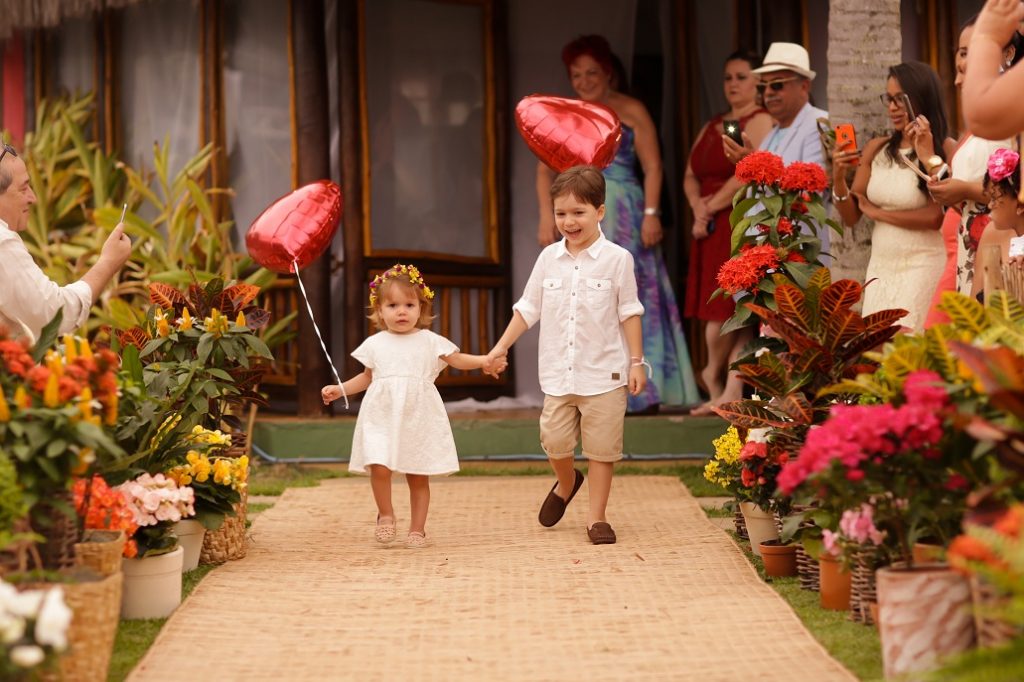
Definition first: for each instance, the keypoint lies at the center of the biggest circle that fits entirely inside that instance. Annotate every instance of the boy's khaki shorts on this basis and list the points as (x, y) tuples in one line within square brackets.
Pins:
[(598, 418)]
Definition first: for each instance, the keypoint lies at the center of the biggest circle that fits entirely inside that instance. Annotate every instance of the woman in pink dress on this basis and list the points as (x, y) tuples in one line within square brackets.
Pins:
[(710, 186)]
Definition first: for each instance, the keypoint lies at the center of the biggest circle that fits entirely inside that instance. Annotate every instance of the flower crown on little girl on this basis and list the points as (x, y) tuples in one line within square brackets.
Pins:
[(1002, 163), (397, 270)]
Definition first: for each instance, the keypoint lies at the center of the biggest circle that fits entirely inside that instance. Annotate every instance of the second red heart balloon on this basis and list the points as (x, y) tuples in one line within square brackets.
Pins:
[(568, 132), (297, 227)]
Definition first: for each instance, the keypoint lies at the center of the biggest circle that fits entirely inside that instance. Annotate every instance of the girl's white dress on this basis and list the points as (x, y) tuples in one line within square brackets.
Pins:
[(402, 422)]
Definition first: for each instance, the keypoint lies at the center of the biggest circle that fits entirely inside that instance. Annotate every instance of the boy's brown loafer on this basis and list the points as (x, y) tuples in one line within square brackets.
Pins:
[(601, 533), (553, 509)]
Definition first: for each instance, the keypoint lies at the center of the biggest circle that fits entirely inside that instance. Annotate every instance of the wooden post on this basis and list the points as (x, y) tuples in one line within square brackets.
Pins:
[(311, 136)]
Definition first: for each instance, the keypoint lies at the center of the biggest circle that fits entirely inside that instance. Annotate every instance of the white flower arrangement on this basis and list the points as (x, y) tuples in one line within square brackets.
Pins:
[(154, 499), (33, 626)]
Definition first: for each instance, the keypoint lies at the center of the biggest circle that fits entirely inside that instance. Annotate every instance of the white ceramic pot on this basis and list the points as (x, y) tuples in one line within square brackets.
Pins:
[(152, 586), (760, 525), (190, 537)]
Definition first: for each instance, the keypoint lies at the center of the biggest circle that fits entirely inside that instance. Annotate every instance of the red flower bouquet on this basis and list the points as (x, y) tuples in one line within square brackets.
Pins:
[(105, 508), (777, 215)]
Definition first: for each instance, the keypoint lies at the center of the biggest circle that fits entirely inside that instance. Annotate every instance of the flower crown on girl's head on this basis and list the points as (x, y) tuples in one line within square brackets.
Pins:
[(1002, 163), (396, 270)]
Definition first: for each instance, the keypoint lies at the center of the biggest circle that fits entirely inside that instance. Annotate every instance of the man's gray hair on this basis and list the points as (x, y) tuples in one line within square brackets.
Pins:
[(6, 178)]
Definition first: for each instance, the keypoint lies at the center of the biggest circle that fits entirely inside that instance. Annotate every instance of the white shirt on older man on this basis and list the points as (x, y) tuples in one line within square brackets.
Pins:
[(581, 302), (28, 298)]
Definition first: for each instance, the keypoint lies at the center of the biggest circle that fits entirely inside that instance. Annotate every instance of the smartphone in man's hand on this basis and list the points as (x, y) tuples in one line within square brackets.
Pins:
[(732, 130)]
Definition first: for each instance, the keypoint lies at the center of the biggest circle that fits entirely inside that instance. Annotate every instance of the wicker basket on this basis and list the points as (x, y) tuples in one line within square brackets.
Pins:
[(101, 550), (95, 605), (59, 531), (741, 525), (862, 586), (228, 542), (807, 570), (991, 632)]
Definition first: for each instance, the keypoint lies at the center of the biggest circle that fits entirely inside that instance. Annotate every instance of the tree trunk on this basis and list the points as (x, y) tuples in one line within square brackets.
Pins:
[(864, 40)]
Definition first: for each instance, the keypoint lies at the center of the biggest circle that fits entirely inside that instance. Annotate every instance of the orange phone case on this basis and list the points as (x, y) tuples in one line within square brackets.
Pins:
[(846, 139)]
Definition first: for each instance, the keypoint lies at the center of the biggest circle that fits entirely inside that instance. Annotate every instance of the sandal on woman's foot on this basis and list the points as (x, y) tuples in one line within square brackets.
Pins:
[(384, 532), (416, 540)]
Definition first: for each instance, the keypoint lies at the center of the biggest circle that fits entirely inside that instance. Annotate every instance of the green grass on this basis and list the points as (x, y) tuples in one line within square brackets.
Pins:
[(134, 637), (257, 507), (272, 479), (855, 645), (719, 512)]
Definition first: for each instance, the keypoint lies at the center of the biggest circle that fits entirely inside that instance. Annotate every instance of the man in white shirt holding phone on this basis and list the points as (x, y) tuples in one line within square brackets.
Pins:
[(28, 298)]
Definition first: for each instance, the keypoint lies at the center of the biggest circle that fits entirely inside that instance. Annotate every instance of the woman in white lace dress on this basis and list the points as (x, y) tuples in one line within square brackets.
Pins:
[(907, 252)]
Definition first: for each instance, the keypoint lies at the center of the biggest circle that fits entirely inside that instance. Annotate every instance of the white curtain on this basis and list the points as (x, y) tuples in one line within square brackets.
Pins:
[(160, 81), (256, 93)]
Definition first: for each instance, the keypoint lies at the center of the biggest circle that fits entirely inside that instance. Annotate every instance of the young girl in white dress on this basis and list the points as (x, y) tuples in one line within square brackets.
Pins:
[(402, 424)]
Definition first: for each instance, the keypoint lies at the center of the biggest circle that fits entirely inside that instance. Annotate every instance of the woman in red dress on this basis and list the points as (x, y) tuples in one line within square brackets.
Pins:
[(710, 186)]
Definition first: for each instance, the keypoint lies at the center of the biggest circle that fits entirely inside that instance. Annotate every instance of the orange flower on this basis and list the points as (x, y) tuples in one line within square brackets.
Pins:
[(1010, 523)]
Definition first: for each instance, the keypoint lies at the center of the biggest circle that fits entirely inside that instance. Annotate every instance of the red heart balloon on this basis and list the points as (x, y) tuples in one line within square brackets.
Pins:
[(568, 132), (297, 227)]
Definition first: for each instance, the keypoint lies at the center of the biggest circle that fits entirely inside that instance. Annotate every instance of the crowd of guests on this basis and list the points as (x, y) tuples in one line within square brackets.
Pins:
[(932, 196)]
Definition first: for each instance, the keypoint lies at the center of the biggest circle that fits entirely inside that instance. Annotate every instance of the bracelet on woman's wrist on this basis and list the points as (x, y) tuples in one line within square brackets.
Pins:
[(837, 198)]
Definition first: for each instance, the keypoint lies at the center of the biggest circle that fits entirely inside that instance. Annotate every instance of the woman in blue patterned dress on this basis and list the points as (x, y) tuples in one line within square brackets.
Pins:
[(631, 221)]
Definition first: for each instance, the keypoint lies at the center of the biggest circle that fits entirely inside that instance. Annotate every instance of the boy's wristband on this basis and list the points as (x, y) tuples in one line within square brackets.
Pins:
[(641, 362)]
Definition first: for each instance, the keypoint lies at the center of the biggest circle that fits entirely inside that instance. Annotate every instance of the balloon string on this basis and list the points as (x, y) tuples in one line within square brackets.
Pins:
[(320, 336)]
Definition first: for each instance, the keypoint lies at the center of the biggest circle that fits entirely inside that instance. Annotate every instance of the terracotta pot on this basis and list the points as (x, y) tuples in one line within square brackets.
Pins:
[(924, 614), (152, 586), (190, 536), (927, 553), (779, 559), (760, 525), (835, 584)]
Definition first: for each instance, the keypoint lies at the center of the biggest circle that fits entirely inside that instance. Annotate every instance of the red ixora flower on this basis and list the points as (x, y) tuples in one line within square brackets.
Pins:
[(748, 268), (804, 177), (764, 168), (795, 257)]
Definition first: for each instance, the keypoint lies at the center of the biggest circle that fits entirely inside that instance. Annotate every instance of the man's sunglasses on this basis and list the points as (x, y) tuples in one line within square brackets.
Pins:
[(7, 149), (775, 85)]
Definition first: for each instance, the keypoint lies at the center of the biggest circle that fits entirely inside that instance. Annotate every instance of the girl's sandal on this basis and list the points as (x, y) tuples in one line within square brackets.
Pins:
[(416, 540), (384, 532)]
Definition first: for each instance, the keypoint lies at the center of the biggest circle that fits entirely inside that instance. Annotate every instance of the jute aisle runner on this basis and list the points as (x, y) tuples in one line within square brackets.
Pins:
[(495, 597)]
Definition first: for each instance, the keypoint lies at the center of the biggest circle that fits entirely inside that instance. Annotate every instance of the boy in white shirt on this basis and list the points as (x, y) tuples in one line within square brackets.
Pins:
[(583, 292)]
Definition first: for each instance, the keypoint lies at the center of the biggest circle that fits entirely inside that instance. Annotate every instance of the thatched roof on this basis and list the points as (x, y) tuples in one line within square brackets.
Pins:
[(29, 14)]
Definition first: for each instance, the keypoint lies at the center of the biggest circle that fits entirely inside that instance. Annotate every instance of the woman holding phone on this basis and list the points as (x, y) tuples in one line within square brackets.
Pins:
[(710, 186), (890, 187)]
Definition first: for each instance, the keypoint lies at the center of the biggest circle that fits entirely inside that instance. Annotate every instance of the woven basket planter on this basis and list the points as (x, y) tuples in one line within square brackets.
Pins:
[(59, 531), (228, 542), (807, 570), (991, 631), (863, 592), (96, 608), (741, 525), (101, 551)]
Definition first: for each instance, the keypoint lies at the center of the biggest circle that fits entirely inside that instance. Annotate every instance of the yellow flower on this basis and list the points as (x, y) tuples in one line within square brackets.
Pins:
[(21, 398), (86, 457), (200, 465), (70, 348), (51, 394), (5, 410), (54, 363), (180, 474), (163, 327), (216, 323), (711, 471), (85, 350), (85, 406), (186, 320), (222, 471), (728, 446), (110, 418), (240, 320)]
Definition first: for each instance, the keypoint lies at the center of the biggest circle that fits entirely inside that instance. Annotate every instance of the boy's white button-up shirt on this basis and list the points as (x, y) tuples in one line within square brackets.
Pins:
[(581, 302)]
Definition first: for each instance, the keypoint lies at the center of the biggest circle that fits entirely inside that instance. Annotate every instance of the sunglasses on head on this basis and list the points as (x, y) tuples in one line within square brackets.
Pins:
[(7, 149), (775, 85)]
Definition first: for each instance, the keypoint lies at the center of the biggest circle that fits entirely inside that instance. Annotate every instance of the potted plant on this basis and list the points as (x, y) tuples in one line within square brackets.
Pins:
[(34, 633), (152, 587), (219, 483), (108, 522)]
